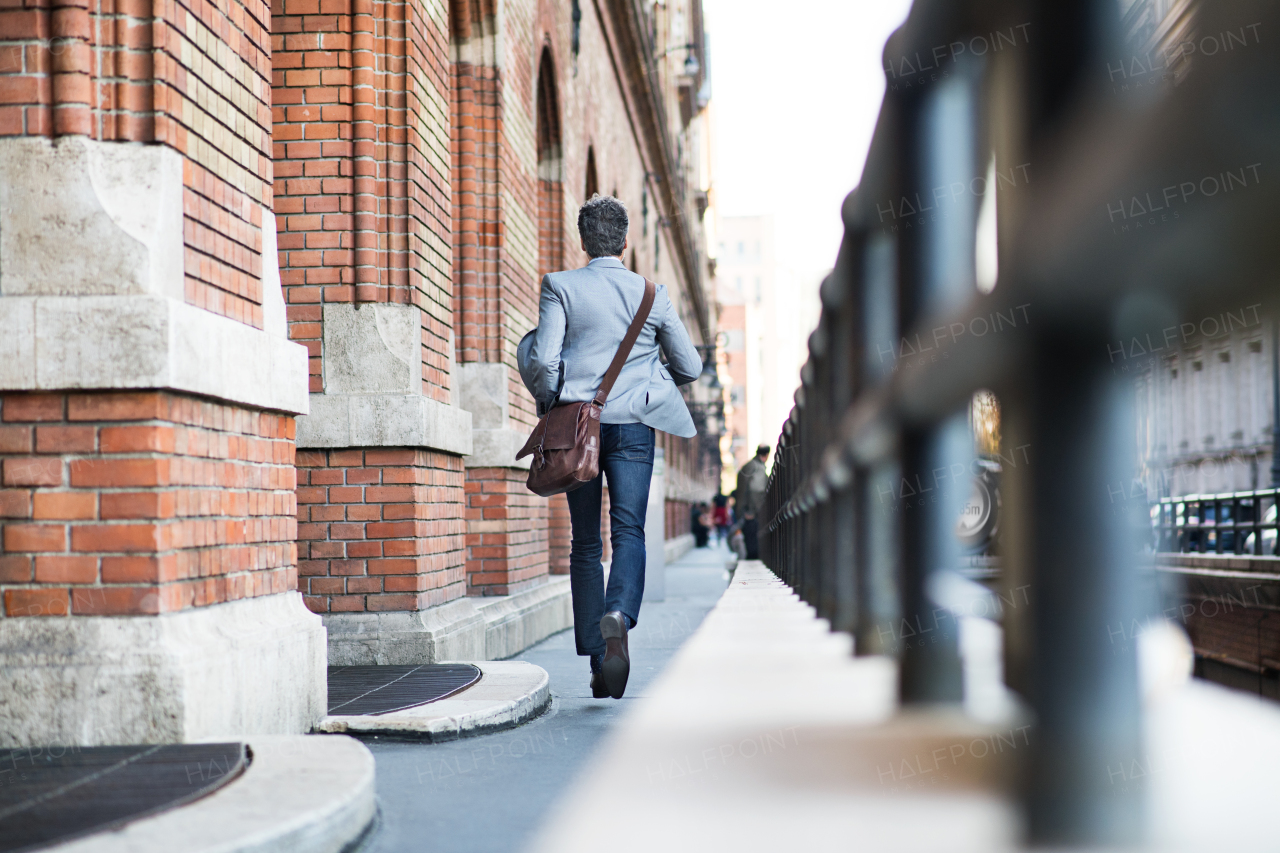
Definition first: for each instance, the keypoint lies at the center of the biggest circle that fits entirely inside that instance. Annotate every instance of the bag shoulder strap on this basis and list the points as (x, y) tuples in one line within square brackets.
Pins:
[(624, 348)]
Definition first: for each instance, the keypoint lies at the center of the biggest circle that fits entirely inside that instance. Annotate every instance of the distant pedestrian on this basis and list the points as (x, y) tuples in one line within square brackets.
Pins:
[(699, 524), (753, 480), (720, 517), (583, 316)]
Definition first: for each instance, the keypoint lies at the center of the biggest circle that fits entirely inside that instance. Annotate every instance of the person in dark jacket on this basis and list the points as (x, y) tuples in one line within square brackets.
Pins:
[(698, 524), (753, 480)]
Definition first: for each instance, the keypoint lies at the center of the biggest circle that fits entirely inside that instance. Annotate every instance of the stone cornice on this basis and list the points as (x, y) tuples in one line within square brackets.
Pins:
[(143, 341)]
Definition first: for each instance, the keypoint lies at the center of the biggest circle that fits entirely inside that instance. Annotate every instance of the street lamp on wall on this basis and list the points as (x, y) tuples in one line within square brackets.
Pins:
[(576, 42), (691, 64)]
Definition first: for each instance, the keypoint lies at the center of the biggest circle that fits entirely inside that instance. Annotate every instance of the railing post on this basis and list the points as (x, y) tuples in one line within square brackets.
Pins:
[(840, 294), (937, 277), (879, 540), (1084, 597), (878, 533)]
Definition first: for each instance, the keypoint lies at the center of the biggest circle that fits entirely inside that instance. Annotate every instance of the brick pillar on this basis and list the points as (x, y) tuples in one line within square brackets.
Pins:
[(362, 147), (380, 530), (143, 503), (509, 535), (507, 532), (148, 565), (606, 526), (560, 530)]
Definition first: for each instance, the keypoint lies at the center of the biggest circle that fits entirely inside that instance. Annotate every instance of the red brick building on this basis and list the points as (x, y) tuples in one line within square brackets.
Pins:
[(262, 274)]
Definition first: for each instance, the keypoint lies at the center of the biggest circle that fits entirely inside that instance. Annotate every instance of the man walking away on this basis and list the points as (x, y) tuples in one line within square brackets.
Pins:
[(753, 480), (583, 315)]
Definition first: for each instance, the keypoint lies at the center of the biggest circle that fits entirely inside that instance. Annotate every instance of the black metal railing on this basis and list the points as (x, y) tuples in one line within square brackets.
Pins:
[(1230, 523), (1019, 102)]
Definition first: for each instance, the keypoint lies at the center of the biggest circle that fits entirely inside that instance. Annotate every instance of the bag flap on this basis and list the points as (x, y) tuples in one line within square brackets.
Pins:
[(532, 443), (562, 426)]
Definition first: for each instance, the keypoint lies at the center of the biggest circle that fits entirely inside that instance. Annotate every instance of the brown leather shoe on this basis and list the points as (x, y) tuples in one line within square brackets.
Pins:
[(598, 690), (617, 658)]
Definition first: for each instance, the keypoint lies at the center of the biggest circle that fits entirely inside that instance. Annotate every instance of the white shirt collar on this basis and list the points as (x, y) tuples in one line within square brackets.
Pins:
[(606, 261)]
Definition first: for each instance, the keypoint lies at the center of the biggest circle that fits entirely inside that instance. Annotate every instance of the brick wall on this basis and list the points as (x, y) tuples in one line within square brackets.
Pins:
[(560, 534), (191, 75), (676, 522), (136, 503), (379, 529), (476, 112), (513, 537), (364, 207), (1229, 630), (507, 532), (361, 133), (605, 526)]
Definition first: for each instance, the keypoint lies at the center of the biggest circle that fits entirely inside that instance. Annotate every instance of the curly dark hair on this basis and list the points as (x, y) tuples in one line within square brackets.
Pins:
[(603, 224)]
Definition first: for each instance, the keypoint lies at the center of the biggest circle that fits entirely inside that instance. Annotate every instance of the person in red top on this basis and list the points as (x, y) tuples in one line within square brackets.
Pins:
[(720, 516)]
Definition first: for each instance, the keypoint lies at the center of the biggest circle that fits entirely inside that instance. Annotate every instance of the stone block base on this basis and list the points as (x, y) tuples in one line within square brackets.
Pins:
[(253, 666), (489, 628)]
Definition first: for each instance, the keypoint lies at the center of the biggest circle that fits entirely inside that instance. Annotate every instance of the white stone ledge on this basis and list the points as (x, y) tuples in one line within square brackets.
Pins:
[(764, 729), (254, 665), (508, 693), (61, 343), (299, 794), (497, 448), (384, 420), (489, 628)]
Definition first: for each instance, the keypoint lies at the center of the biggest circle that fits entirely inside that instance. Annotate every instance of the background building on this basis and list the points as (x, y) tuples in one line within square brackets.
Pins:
[(262, 275), (1206, 394), (1206, 390), (768, 312), (1206, 408)]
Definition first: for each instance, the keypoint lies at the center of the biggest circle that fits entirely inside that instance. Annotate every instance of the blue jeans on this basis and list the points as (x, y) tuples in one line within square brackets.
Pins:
[(626, 458)]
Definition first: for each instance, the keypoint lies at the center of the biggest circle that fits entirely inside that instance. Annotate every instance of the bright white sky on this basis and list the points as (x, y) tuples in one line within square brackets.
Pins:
[(796, 88)]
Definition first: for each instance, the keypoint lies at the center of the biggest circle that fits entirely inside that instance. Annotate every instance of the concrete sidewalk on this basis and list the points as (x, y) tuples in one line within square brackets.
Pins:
[(491, 793)]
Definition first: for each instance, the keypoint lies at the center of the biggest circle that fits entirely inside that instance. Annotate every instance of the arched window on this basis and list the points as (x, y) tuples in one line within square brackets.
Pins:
[(550, 168), (593, 183)]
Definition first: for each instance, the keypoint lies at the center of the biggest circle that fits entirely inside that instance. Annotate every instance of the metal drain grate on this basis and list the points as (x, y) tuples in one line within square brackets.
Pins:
[(371, 690), (54, 794)]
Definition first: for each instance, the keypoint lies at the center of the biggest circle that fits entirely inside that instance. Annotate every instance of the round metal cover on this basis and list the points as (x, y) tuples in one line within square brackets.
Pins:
[(49, 795), (371, 690)]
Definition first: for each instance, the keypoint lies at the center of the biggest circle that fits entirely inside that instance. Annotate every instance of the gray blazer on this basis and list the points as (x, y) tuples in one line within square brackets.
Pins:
[(583, 315)]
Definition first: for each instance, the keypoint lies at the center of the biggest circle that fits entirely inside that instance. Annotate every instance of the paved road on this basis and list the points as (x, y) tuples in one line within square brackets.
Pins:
[(488, 794)]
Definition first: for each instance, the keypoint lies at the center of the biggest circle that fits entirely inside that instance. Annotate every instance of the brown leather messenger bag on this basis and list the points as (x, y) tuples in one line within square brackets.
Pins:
[(566, 442)]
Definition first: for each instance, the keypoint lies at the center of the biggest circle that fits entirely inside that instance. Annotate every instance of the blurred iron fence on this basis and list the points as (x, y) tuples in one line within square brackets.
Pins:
[(1020, 208), (1231, 523)]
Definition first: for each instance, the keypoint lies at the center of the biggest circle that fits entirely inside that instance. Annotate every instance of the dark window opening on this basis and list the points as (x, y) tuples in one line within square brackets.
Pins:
[(593, 183)]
